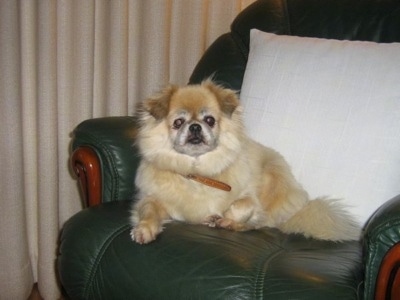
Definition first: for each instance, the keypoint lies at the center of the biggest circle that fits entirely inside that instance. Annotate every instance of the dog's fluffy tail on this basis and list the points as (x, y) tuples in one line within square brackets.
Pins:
[(324, 219)]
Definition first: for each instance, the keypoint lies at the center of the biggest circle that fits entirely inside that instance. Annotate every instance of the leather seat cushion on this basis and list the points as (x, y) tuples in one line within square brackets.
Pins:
[(197, 262)]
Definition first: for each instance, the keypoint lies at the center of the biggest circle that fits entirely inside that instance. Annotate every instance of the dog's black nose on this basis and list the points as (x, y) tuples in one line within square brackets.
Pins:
[(195, 128)]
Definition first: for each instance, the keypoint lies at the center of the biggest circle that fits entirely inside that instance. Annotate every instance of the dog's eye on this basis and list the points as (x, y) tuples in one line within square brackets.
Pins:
[(178, 123), (210, 121)]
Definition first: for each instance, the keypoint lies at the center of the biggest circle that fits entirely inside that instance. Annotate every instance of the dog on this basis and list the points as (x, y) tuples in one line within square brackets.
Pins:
[(198, 166)]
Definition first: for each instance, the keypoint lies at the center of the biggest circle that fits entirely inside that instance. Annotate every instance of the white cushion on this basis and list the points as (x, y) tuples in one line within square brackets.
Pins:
[(332, 109)]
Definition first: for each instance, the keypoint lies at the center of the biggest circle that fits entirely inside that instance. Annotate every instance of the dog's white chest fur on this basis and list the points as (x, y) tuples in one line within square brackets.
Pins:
[(188, 200)]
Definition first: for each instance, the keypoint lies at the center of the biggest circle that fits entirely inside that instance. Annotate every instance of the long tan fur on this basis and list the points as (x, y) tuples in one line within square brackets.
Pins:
[(264, 192)]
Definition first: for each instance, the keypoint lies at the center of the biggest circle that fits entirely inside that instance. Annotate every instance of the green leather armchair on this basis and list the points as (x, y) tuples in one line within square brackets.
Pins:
[(97, 259)]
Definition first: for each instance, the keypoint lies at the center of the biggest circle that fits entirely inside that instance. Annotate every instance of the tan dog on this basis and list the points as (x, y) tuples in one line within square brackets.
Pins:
[(198, 166)]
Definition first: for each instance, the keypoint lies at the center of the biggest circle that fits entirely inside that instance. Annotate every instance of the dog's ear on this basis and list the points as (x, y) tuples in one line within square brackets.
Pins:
[(227, 99), (158, 105)]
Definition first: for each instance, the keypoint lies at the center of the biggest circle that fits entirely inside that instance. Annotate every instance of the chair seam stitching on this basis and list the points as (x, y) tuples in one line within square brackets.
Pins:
[(99, 257), (260, 274)]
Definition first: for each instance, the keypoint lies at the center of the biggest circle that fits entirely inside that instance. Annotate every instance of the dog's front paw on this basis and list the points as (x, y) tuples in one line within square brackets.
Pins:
[(211, 221), (219, 222), (226, 223), (144, 233)]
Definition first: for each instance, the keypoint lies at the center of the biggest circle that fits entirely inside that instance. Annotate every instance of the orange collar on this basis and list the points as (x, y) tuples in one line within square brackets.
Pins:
[(210, 182)]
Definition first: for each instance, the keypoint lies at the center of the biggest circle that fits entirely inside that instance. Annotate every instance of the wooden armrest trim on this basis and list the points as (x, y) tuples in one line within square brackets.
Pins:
[(388, 281), (86, 166)]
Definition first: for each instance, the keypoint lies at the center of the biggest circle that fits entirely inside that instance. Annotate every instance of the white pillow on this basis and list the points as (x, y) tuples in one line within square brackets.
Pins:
[(332, 109)]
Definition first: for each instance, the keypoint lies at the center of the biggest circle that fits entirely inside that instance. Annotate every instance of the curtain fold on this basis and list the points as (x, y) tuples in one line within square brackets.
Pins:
[(15, 253), (62, 62)]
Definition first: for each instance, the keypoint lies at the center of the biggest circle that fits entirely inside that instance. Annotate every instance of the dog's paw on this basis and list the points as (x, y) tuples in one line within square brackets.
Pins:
[(229, 224), (211, 221), (144, 233), (219, 222), (226, 224)]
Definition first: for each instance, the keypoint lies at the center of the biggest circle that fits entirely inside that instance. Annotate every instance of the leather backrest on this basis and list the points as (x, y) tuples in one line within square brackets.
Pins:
[(365, 20)]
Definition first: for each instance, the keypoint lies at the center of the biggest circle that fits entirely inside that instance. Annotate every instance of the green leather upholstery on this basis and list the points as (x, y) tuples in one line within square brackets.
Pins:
[(112, 140), (381, 234), (367, 20), (98, 260), (197, 262)]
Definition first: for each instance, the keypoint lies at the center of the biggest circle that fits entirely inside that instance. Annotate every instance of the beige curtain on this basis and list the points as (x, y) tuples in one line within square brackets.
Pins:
[(62, 62)]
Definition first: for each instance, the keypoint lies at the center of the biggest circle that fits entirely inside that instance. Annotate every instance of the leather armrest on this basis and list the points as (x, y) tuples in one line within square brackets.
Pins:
[(105, 158), (382, 252), (87, 168)]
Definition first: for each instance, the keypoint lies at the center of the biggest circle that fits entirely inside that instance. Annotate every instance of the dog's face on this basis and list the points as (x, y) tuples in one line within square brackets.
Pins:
[(193, 120), (193, 115), (196, 126)]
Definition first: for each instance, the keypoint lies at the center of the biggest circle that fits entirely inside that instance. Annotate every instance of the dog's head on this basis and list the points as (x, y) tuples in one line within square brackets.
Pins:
[(193, 115)]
